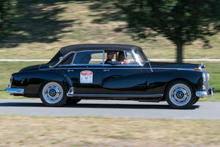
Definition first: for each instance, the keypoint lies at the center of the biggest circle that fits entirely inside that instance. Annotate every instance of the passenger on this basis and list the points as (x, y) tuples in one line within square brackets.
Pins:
[(121, 56), (110, 56)]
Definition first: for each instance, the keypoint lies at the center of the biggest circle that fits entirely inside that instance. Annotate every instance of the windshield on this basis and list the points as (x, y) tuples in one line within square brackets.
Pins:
[(140, 56)]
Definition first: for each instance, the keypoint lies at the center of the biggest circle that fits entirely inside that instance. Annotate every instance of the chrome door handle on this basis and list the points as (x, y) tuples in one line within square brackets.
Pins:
[(105, 70), (70, 70)]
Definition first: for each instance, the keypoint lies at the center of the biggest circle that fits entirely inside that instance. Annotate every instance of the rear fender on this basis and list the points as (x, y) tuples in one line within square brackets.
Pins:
[(32, 81)]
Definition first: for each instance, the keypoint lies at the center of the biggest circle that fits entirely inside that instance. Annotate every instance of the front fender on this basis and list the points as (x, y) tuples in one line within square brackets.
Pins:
[(157, 81)]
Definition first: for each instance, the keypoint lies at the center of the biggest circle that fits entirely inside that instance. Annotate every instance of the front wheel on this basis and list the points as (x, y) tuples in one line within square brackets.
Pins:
[(196, 100), (53, 94), (180, 94)]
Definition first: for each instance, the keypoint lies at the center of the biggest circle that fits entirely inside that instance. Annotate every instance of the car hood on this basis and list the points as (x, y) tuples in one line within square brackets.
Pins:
[(172, 65)]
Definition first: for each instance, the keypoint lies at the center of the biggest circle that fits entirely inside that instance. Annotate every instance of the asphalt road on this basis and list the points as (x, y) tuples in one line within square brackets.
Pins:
[(125, 109)]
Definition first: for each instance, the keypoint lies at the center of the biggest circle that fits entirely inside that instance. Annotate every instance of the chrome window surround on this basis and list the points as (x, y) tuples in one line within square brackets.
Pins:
[(61, 59), (132, 52), (87, 52)]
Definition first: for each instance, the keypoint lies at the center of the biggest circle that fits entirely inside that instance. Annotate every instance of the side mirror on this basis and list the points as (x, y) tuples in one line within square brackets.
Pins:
[(60, 59)]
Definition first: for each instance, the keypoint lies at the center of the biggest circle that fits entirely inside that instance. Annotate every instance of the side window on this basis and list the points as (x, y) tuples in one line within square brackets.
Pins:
[(96, 58), (67, 60), (88, 57)]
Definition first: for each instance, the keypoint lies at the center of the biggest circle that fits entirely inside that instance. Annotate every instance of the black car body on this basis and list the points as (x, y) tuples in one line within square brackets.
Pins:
[(78, 72)]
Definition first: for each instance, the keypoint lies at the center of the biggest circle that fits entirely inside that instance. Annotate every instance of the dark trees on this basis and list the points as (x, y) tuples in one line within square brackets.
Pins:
[(7, 14), (181, 21)]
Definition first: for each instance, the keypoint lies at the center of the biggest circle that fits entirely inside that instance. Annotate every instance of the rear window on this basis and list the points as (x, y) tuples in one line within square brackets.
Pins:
[(88, 57)]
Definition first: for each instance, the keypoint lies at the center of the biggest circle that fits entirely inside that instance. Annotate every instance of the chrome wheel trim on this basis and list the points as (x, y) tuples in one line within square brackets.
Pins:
[(52, 92), (180, 94)]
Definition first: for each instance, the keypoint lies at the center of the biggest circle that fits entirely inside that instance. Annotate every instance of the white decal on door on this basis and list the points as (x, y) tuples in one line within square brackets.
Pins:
[(86, 76)]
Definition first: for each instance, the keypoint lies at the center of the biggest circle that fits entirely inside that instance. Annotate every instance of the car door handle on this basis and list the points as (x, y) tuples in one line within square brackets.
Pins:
[(105, 70), (70, 70)]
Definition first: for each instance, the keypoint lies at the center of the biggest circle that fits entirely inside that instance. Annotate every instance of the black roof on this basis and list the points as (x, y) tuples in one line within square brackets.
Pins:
[(79, 47), (115, 47)]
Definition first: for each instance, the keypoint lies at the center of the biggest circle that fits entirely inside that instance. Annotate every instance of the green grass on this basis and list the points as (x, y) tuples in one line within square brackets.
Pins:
[(100, 131), (50, 25), (215, 98), (4, 95)]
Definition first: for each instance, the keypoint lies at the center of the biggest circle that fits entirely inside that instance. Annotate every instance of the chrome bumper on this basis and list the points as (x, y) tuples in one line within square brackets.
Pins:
[(209, 93), (14, 90)]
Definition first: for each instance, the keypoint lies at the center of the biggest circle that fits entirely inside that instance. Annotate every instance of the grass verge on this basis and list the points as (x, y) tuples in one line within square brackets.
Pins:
[(96, 131)]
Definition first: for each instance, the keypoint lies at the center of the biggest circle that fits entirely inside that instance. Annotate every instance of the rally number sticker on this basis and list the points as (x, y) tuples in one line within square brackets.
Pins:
[(86, 76)]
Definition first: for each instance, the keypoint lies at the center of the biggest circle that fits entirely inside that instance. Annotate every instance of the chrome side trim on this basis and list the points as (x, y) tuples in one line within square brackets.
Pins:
[(15, 90), (61, 59), (209, 93), (117, 95), (139, 67)]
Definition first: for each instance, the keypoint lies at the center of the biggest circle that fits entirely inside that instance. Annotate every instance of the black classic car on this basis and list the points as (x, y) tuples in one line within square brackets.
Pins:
[(111, 72)]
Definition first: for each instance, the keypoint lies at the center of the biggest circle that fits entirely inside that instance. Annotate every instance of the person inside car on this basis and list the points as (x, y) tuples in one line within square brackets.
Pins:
[(110, 56), (121, 56)]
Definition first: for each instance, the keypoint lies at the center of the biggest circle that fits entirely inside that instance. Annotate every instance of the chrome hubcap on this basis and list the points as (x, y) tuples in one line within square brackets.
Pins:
[(52, 92), (180, 94)]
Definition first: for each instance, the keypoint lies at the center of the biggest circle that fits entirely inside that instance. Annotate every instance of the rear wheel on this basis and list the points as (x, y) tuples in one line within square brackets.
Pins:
[(53, 94), (180, 94)]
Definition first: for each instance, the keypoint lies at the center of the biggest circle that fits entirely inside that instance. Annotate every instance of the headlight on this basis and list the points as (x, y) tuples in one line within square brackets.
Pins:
[(203, 76), (207, 74)]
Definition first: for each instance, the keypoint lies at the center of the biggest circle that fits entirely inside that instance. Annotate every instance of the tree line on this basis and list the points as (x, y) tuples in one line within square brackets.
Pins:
[(180, 21)]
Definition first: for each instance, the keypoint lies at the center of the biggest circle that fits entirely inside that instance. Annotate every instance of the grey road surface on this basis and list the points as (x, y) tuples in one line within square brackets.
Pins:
[(125, 109)]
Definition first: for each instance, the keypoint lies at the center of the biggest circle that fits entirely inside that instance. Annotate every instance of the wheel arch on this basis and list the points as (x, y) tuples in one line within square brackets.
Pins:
[(66, 83), (176, 79)]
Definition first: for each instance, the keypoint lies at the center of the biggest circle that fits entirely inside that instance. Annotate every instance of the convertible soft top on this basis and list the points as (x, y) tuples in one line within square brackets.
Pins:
[(79, 47)]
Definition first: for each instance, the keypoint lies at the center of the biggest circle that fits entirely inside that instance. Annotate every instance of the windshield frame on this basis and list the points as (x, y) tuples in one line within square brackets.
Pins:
[(138, 52)]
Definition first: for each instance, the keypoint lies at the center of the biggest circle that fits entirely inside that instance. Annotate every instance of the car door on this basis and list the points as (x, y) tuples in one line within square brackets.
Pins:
[(124, 78), (86, 72)]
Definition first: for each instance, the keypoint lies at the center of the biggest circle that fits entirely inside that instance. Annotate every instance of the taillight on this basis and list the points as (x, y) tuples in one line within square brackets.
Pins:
[(11, 79)]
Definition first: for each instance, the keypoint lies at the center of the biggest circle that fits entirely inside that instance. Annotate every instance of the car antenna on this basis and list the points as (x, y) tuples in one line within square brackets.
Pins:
[(150, 66)]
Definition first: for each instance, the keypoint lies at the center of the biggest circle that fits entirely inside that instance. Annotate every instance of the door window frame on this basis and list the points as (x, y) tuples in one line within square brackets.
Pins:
[(87, 52)]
